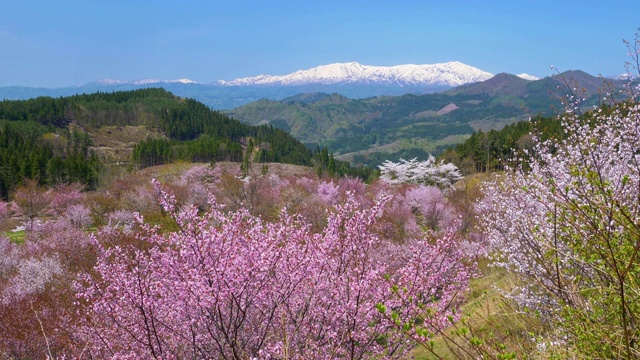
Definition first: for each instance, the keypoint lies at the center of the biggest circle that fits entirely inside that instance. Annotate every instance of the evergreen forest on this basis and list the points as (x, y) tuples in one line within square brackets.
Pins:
[(52, 140)]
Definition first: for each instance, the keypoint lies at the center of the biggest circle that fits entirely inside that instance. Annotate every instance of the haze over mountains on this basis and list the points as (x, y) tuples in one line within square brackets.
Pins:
[(352, 80)]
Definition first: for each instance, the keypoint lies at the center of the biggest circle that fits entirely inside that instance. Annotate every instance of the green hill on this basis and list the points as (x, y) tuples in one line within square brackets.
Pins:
[(512, 145), (72, 138), (374, 129)]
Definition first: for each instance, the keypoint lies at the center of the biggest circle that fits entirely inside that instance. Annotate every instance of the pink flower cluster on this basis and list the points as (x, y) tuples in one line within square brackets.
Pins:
[(229, 285)]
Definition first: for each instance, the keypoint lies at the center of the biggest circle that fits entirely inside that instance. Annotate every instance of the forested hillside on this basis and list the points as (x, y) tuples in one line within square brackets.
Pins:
[(372, 130), (54, 141), (513, 145), (29, 150), (495, 149)]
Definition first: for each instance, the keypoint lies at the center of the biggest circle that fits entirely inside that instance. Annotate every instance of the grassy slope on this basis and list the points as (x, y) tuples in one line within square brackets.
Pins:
[(114, 144)]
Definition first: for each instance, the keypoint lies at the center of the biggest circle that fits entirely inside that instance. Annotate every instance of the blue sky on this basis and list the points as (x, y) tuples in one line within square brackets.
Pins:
[(61, 43)]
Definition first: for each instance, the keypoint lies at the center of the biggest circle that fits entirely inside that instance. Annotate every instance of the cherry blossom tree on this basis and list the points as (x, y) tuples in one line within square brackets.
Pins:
[(328, 192), (230, 285), (36, 295), (63, 196), (200, 181), (431, 206), (354, 186), (78, 215), (568, 227), (31, 201), (426, 172), (121, 218), (4, 210)]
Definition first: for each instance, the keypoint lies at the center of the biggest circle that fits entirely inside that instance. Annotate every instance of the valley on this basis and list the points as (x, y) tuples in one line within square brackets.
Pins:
[(369, 131), (104, 190), (322, 180)]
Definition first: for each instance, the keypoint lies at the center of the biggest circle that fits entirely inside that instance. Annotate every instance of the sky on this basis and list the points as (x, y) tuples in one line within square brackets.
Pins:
[(59, 43)]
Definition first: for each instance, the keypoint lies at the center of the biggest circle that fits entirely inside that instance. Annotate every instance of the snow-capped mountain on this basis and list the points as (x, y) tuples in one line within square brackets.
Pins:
[(624, 77), (443, 74), (352, 80), (111, 82), (143, 82), (528, 77)]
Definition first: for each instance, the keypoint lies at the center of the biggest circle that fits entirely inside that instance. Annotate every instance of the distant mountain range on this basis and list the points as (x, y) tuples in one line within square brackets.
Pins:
[(445, 74), (109, 82), (361, 112), (349, 79), (375, 129)]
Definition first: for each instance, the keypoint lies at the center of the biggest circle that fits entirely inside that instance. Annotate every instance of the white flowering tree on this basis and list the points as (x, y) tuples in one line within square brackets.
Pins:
[(427, 172), (569, 229)]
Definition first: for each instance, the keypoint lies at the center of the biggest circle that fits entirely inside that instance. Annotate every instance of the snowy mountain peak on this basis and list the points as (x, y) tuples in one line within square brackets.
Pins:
[(155, 81), (143, 82), (183, 81), (444, 74), (111, 82), (528, 77)]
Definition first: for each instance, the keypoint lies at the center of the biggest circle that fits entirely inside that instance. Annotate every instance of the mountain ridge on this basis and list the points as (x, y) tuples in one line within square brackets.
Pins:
[(444, 74), (225, 97), (504, 84), (412, 125), (140, 82)]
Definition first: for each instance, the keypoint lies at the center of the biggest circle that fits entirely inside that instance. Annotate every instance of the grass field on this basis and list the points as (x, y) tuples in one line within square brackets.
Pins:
[(488, 317)]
